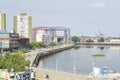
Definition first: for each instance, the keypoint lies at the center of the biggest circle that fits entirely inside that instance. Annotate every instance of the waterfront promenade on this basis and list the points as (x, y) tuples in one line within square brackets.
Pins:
[(60, 75)]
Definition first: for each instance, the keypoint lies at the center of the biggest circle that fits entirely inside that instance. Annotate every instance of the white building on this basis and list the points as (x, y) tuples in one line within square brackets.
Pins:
[(23, 25), (114, 40)]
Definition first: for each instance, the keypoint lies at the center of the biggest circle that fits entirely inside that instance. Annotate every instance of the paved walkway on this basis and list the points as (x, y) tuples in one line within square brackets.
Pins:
[(58, 75)]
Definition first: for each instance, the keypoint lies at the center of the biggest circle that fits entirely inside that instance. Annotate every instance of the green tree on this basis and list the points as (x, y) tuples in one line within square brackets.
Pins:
[(40, 44), (36, 44), (89, 40), (33, 44), (53, 44), (101, 39), (15, 61), (75, 39), (21, 51)]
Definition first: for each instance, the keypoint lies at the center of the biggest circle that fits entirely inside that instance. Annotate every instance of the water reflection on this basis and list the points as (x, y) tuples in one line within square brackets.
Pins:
[(83, 46), (99, 47)]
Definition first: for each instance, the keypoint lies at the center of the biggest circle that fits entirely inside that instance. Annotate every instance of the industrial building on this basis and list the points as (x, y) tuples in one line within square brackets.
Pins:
[(2, 21), (49, 34), (23, 25)]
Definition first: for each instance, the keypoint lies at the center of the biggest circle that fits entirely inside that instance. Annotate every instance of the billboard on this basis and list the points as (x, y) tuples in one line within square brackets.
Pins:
[(4, 40), (4, 35)]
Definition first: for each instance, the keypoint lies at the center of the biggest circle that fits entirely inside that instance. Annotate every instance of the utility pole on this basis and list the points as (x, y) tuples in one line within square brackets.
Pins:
[(74, 67)]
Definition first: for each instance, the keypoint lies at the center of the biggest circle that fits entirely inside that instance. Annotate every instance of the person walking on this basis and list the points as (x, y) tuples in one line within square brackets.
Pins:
[(32, 75), (46, 76)]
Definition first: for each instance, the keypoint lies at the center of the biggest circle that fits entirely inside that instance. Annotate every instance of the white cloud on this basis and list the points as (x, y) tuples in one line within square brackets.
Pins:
[(98, 4)]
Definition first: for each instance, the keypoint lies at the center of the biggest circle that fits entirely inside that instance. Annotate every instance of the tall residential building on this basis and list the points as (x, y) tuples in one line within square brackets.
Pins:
[(2, 21), (23, 25)]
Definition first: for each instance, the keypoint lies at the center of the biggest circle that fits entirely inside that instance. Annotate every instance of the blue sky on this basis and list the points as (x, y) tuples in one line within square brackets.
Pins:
[(84, 17)]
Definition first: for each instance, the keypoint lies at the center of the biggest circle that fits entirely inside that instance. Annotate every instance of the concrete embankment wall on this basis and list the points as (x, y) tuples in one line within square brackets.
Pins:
[(99, 43), (50, 51)]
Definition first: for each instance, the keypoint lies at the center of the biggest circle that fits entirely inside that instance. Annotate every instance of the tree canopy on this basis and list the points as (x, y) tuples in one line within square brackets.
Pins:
[(89, 40), (53, 44), (36, 44), (101, 39), (75, 39), (13, 60)]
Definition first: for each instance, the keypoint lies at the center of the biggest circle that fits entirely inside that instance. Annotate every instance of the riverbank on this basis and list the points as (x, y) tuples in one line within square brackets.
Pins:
[(97, 43), (35, 55)]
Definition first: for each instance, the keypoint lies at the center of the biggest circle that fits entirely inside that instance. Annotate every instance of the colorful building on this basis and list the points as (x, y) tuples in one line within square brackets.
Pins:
[(8, 41)]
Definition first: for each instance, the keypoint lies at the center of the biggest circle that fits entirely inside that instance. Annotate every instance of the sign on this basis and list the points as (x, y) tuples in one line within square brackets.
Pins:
[(104, 71), (96, 71), (4, 40), (4, 35)]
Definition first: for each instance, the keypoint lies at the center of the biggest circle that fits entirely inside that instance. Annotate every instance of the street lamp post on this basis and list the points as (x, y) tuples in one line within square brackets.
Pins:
[(56, 62), (93, 65), (56, 67), (74, 66)]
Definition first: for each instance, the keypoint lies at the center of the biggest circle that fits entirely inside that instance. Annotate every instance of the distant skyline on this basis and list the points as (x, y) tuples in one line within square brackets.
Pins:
[(83, 17)]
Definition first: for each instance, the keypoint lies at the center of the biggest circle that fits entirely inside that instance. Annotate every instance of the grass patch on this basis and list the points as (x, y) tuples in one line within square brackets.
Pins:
[(98, 55)]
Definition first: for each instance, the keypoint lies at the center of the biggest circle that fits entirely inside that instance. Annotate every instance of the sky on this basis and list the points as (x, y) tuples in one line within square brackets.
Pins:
[(83, 17)]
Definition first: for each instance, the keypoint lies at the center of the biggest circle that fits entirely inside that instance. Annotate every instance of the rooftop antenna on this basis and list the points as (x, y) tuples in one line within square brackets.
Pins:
[(81, 34), (100, 34)]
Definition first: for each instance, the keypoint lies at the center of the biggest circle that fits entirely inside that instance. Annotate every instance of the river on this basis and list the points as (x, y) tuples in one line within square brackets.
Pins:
[(80, 60)]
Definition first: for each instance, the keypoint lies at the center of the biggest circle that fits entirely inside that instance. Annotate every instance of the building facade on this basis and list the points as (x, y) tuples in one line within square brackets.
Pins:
[(8, 41), (23, 25), (24, 42), (44, 34), (2, 21), (49, 34)]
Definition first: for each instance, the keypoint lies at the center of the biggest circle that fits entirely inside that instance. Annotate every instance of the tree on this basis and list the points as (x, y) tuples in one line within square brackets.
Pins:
[(53, 44), (40, 44), (21, 51), (101, 39), (15, 61), (89, 40), (33, 44), (75, 39), (36, 44)]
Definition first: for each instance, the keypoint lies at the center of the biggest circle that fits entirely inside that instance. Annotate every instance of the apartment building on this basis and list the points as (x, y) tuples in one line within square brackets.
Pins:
[(23, 25)]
